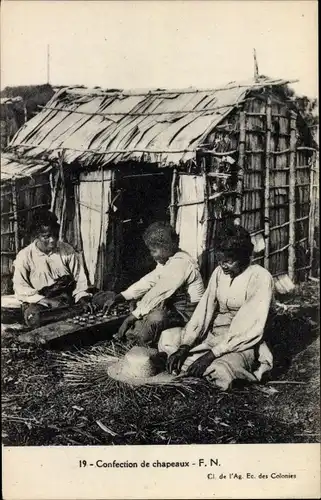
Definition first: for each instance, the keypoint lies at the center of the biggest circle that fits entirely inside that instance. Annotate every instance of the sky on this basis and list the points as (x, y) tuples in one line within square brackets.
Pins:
[(151, 44)]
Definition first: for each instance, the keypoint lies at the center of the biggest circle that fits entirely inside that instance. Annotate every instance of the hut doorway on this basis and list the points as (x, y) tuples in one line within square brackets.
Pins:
[(145, 199)]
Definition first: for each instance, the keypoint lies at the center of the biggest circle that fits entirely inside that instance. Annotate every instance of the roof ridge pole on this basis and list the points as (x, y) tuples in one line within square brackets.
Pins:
[(267, 182), (292, 182)]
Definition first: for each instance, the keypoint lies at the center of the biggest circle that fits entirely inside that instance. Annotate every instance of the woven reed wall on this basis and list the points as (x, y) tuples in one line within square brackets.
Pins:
[(268, 221), (218, 210), (19, 200)]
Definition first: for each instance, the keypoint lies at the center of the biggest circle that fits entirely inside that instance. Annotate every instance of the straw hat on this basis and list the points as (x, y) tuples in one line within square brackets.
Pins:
[(137, 368)]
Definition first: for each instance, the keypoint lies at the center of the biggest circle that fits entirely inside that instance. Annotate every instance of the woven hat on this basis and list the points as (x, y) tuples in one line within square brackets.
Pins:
[(137, 368)]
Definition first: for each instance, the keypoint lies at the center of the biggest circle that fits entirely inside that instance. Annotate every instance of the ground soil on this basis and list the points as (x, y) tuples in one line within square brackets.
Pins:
[(40, 408)]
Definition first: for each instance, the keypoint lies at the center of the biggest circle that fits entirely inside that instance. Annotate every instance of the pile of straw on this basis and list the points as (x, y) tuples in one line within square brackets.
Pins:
[(87, 368)]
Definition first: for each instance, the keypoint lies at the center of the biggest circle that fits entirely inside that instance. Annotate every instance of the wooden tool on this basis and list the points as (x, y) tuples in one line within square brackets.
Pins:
[(77, 325)]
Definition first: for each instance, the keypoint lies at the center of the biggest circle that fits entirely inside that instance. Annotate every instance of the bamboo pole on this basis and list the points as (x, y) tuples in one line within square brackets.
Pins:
[(312, 210), (104, 152), (128, 151), (200, 202), (64, 202), (280, 226), (102, 231), (205, 217), (279, 250), (15, 216), (292, 182), (78, 225), (267, 182), (54, 192), (41, 205), (239, 186), (173, 206), (129, 113), (25, 114), (147, 93)]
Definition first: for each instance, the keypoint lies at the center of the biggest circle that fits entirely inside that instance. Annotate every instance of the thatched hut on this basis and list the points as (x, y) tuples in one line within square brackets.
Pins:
[(110, 161)]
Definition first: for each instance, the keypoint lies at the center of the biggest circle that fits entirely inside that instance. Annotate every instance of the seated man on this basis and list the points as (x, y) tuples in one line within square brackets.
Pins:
[(224, 341), (48, 273), (168, 295)]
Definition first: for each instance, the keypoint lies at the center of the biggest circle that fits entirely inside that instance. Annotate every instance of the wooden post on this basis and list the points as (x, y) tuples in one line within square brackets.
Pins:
[(25, 114), (173, 208), (312, 210), (240, 174), (15, 215), (267, 182), (205, 218), (64, 203), (101, 240), (78, 228), (292, 183), (54, 191)]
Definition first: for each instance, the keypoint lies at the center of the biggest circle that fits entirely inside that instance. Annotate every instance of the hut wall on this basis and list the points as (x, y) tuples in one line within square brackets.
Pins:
[(19, 200), (221, 178), (303, 207), (281, 148), (264, 213)]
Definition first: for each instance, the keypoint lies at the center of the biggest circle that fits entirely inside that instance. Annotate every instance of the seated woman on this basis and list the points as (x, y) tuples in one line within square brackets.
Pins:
[(223, 341), (48, 273), (168, 295)]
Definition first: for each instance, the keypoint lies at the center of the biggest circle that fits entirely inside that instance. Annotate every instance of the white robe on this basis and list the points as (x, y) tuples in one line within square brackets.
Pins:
[(229, 320)]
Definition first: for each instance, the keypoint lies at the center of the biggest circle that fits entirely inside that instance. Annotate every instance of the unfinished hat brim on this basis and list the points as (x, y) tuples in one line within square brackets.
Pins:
[(115, 371)]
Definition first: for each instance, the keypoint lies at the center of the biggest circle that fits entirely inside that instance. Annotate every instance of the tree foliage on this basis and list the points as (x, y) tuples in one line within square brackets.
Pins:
[(33, 96)]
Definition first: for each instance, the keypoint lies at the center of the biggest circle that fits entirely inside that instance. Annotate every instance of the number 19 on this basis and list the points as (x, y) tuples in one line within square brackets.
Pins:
[(82, 463)]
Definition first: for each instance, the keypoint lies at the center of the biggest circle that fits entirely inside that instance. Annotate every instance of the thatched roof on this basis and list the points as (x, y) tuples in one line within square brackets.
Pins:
[(112, 126), (9, 100), (12, 168)]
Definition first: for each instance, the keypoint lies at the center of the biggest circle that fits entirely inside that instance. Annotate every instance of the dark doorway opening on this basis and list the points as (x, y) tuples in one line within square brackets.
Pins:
[(145, 198)]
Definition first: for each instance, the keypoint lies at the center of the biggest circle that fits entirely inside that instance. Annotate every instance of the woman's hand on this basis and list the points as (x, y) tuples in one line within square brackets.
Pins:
[(129, 321), (199, 366), (112, 302), (86, 304), (176, 360)]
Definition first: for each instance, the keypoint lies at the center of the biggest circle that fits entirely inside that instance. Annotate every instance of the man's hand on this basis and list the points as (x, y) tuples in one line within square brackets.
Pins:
[(199, 366), (86, 304), (112, 302), (176, 360), (129, 321), (50, 303), (61, 285)]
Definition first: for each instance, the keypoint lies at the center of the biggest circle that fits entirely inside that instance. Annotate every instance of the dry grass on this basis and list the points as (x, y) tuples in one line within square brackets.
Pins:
[(65, 398)]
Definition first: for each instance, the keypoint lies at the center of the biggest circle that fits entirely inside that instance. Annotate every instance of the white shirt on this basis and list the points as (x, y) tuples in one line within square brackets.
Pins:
[(34, 269), (239, 308), (164, 281)]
